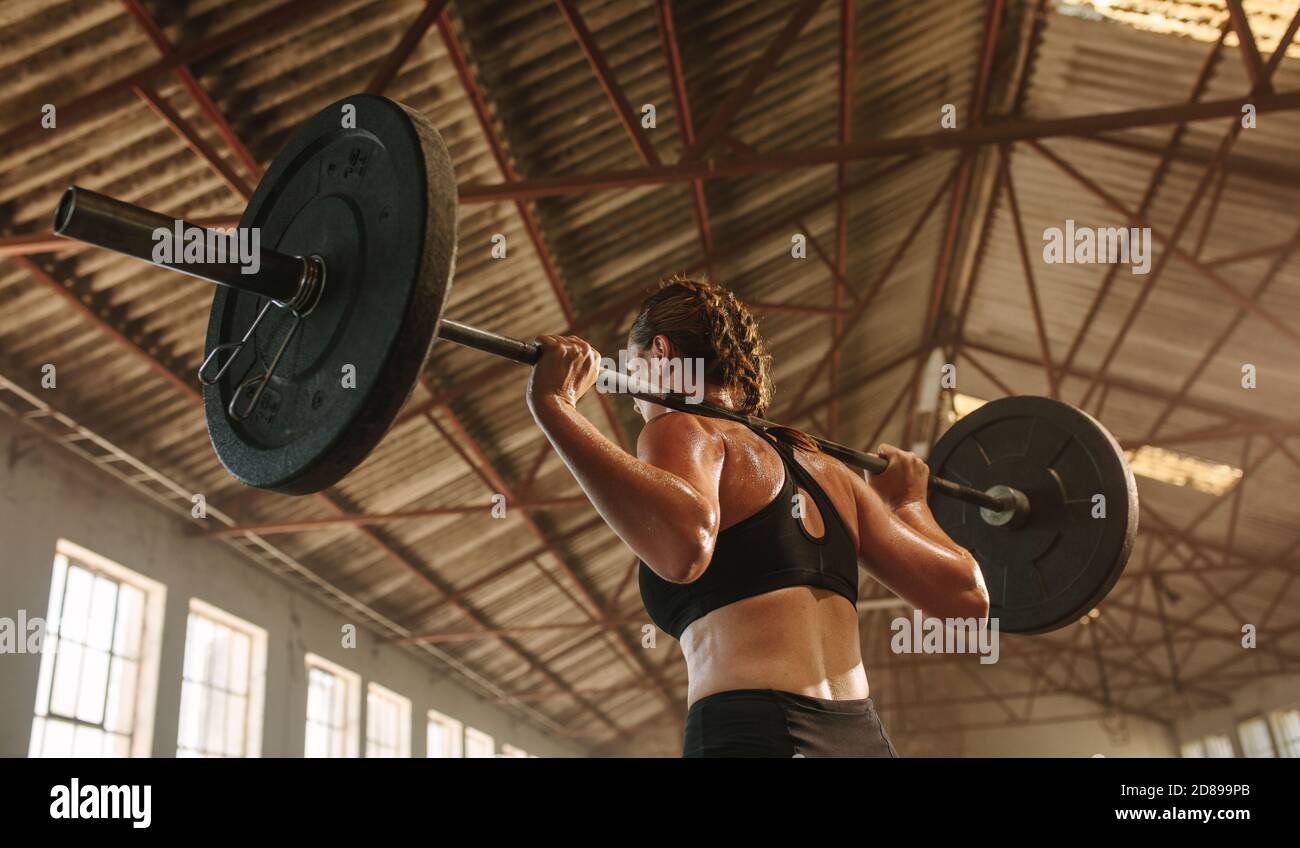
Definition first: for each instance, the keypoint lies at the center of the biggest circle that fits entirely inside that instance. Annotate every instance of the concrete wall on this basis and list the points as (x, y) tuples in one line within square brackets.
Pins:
[(47, 494)]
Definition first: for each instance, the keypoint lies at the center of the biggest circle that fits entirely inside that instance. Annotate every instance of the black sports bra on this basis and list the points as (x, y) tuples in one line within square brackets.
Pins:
[(769, 550)]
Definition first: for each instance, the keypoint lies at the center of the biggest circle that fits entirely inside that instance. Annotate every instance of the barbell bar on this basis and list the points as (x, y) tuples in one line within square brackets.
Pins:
[(319, 338), (293, 282)]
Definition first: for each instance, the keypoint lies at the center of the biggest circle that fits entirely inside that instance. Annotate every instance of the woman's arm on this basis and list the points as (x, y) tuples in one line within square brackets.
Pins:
[(905, 548), (664, 506)]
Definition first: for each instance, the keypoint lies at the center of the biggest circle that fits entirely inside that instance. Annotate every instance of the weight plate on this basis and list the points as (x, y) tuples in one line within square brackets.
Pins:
[(1060, 562), (374, 195)]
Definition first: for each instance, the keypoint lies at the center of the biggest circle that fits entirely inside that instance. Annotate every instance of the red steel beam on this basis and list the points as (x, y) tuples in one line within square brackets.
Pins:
[(513, 564), (460, 61), (32, 244), (1172, 249), (85, 304), (1035, 307), (758, 71), (831, 263), (1188, 213), (1259, 78), (948, 248), (1219, 433), (677, 80), (196, 90), (308, 524), (842, 204), (866, 379), (405, 46), (1224, 335), (1113, 381), (1245, 166), (1148, 197), (974, 137), (861, 307), (621, 304), (194, 141), (99, 98), (605, 77), (1254, 253)]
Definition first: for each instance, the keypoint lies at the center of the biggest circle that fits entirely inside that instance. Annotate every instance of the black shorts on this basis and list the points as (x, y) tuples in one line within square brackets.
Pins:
[(768, 723)]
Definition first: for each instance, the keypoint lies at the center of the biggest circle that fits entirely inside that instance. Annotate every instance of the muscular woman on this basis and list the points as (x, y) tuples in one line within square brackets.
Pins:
[(750, 543)]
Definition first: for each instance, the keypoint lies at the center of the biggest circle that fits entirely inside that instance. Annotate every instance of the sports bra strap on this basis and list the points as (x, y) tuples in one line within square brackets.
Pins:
[(804, 480)]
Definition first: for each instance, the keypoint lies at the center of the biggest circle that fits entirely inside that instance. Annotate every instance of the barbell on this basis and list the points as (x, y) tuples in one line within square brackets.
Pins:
[(355, 226)]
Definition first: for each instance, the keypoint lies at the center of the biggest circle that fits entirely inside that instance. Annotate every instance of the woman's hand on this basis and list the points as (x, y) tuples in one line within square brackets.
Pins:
[(567, 369), (904, 481)]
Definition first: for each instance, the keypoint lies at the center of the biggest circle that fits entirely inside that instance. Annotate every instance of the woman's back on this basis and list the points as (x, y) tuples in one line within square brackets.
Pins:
[(797, 638)]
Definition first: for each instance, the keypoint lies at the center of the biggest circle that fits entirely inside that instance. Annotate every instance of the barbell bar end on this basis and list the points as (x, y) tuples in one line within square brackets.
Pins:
[(1015, 509)]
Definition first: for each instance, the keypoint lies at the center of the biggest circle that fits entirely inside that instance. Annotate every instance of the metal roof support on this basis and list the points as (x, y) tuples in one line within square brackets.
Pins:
[(605, 77), (736, 99), (841, 205), (186, 55), (308, 524), (196, 90), (392, 64), (947, 250), (1036, 308), (1149, 195), (1259, 78), (460, 61), (1170, 240), (677, 81), (193, 140), (860, 309)]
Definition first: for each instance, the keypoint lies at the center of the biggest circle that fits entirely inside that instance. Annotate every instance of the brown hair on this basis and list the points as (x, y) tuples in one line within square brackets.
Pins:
[(708, 322)]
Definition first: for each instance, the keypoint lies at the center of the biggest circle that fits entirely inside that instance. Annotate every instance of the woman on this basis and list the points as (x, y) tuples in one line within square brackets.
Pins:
[(750, 543)]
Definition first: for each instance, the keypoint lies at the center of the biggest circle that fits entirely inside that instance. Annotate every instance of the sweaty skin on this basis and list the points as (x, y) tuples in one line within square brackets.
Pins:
[(694, 476)]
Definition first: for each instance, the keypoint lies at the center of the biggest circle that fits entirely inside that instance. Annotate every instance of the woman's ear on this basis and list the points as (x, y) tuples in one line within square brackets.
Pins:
[(660, 347)]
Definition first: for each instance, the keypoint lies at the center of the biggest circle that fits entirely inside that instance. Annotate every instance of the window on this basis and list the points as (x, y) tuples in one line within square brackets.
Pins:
[(1218, 746), (99, 661), (478, 744), (1286, 730), (444, 736), (333, 709), (1194, 749), (512, 752), (1255, 739), (388, 723), (222, 686)]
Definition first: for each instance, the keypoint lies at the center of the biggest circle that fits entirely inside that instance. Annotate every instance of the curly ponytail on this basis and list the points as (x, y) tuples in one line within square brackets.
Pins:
[(708, 322)]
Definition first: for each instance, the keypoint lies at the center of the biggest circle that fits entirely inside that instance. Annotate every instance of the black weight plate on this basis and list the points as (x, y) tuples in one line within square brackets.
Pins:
[(1062, 561), (377, 201)]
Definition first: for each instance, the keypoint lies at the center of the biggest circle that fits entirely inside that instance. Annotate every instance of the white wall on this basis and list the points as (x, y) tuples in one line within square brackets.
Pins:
[(47, 494)]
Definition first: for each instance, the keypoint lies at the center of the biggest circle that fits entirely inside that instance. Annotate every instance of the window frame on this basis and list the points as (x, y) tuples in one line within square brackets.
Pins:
[(403, 715), (256, 696), (352, 701), (481, 736), (456, 735), (148, 660)]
